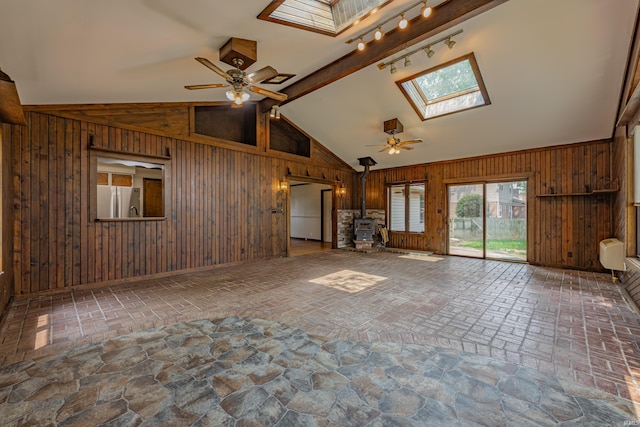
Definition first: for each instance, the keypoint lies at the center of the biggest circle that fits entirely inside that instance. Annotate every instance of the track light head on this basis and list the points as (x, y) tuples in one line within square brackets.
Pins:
[(393, 68), (403, 22), (450, 42), (407, 61), (426, 10), (430, 52), (378, 34), (361, 45)]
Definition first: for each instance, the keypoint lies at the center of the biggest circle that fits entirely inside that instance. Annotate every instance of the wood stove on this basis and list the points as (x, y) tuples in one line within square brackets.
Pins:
[(364, 229)]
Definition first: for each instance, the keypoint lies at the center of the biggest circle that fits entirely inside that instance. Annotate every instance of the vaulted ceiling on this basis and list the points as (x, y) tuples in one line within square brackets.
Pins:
[(553, 69)]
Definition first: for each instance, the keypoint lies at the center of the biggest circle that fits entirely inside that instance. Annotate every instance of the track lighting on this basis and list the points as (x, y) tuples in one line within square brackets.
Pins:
[(275, 112), (403, 23), (426, 10), (450, 43), (377, 35), (430, 52)]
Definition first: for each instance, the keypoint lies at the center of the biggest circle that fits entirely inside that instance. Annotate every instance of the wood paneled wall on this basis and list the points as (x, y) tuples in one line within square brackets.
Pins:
[(623, 210), (222, 198), (221, 202), (6, 226), (564, 231)]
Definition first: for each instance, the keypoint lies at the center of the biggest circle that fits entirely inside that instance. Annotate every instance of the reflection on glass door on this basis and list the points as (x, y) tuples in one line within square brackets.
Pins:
[(489, 220), (506, 223), (466, 220)]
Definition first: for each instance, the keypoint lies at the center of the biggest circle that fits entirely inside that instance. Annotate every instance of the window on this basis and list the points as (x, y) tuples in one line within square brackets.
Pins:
[(406, 208), (448, 88), (320, 16)]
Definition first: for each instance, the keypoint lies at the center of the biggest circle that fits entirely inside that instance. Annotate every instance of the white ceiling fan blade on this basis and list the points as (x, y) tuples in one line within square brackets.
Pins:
[(261, 75), (206, 86), (271, 94), (213, 67)]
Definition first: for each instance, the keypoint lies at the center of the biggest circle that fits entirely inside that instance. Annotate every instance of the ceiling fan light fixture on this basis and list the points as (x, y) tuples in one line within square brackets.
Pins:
[(393, 150), (403, 22), (231, 96), (244, 96)]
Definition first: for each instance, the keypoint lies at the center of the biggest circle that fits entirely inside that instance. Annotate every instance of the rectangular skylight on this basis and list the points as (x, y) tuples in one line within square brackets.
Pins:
[(447, 88), (322, 16)]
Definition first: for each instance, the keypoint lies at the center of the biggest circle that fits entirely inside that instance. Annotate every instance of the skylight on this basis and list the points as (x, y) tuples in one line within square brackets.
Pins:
[(446, 89), (329, 17)]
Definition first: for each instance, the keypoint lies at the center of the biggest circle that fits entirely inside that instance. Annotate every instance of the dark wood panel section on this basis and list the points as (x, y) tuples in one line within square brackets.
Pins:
[(225, 122), (220, 210), (562, 231), (285, 137), (6, 216)]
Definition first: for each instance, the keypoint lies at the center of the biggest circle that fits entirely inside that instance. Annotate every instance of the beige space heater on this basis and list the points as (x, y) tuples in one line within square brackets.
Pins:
[(612, 256)]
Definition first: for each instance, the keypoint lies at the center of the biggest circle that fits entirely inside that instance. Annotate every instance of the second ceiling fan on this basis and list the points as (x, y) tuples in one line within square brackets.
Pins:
[(394, 145)]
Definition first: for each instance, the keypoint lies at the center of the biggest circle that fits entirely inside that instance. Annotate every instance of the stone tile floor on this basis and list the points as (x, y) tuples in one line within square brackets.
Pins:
[(253, 372), (571, 324)]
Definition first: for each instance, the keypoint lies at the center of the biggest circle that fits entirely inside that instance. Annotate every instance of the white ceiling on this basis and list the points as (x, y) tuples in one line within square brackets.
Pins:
[(553, 69)]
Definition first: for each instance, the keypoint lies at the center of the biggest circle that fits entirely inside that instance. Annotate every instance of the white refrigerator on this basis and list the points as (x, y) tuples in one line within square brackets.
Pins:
[(118, 202)]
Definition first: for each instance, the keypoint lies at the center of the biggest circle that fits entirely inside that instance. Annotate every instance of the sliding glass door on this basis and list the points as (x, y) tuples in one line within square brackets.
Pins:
[(489, 220), (466, 220)]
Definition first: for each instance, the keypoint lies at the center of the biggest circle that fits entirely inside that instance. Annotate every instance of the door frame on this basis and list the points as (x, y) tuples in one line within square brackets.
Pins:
[(334, 203), (528, 178)]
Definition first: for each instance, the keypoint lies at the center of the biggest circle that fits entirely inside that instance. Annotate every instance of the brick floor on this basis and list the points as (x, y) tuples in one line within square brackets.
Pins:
[(573, 324)]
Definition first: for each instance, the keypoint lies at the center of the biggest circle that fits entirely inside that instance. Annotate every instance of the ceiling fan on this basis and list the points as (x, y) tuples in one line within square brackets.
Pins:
[(394, 145), (241, 54)]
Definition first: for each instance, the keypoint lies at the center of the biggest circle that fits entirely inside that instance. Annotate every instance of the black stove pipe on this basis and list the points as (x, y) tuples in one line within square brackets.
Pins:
[(366, 162)]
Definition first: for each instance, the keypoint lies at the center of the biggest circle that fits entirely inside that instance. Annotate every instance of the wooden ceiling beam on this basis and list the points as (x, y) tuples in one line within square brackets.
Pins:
[(445, 16)]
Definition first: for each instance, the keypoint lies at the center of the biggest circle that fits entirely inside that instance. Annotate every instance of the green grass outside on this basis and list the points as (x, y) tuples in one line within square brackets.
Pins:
[(496, 245)]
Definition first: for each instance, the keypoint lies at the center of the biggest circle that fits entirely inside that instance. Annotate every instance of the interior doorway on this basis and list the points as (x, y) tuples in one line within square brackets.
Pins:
[(310, 217), (488, 220)]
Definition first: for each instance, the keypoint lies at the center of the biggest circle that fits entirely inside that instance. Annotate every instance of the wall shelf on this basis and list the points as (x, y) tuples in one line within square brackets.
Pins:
[(614, 189)]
